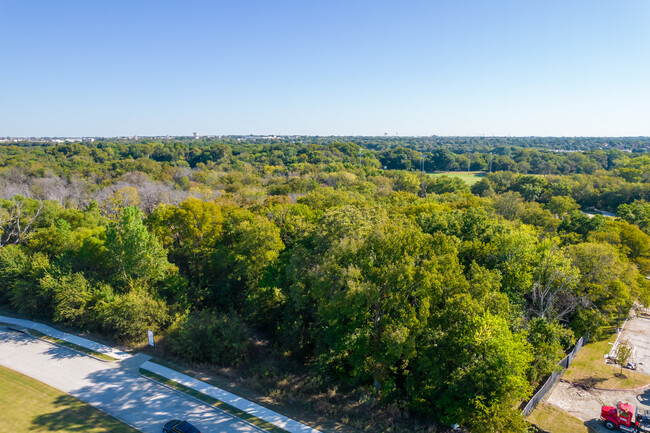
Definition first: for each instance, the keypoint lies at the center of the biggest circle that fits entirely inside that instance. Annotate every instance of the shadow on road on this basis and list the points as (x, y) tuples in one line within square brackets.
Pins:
[(15, 337), (596, 426), (644, 398), (22, 338), (147, 405), (55, 352)]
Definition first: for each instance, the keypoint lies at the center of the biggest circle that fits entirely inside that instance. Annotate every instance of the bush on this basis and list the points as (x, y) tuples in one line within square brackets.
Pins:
[(72, 297), (211, 337), (128, 317)]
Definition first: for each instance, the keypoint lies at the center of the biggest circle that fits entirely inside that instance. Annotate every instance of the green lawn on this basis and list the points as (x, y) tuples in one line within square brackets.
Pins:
[(589, 368), (554, 419), (470, 178), (29, 405)]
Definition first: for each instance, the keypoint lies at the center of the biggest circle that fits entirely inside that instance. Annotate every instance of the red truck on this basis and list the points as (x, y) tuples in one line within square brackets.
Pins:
[(625, 418)]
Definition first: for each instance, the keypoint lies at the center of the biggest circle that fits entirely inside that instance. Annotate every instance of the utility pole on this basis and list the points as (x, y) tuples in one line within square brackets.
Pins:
[(490, 169)]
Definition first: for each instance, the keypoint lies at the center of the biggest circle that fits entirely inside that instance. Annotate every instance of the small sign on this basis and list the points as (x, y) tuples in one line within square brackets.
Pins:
[(150, 334)]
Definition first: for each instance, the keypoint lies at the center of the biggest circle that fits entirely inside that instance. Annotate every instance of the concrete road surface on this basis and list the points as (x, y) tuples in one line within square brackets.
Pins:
[(114, 387), (637, 333)]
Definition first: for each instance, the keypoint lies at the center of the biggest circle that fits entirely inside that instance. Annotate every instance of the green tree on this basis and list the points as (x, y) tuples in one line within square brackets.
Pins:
[(136, 254), (561, 205), (373, 280), (637, 243), (623, 354), (190, 232), (73, 297), (549, 341), (510, 205), (251, 243), (28, 295), (472, 364)]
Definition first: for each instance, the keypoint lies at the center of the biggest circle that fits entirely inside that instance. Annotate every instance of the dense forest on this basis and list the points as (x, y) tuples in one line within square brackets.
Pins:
[(416, 296)]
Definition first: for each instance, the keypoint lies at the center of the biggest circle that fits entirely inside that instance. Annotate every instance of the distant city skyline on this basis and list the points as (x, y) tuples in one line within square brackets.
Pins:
[(341, 68)]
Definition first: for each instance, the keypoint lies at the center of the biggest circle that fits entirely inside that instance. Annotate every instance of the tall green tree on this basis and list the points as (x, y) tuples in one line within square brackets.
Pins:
[(136, 254)]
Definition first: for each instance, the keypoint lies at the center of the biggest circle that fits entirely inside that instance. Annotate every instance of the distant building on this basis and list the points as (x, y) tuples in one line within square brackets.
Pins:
[(196, 135)]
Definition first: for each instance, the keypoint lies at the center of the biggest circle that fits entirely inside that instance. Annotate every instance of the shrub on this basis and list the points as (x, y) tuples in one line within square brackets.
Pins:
[(72, 297), (128, 317), (211, 337)]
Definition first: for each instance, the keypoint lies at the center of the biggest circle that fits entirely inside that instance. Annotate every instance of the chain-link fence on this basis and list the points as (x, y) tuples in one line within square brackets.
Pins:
[(564, 364)]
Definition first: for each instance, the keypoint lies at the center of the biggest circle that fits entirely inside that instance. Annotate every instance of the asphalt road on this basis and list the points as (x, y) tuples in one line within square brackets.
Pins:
[(114, 387)]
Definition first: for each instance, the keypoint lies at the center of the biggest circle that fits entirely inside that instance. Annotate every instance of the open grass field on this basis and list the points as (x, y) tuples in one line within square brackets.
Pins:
[(29, 405), (588, 368), (554, 419), (470, 178)]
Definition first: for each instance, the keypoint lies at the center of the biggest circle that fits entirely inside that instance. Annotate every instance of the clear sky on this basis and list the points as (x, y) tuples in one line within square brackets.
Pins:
[(330, 67)]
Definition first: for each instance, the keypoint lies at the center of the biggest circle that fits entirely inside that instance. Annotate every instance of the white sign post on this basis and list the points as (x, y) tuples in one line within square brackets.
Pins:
[(150, 334)]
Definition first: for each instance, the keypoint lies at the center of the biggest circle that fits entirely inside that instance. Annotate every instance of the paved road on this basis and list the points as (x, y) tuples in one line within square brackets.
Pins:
[(637, 333), (114, 387)]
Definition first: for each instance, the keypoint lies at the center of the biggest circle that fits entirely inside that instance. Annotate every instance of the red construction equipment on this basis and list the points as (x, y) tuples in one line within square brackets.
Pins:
[(625, 418)]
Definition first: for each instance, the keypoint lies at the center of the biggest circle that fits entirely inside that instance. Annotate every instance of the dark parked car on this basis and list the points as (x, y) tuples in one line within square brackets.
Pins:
[(178, 426)]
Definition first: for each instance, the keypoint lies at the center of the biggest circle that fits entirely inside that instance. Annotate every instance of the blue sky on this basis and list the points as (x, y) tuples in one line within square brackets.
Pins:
[(125, 67)]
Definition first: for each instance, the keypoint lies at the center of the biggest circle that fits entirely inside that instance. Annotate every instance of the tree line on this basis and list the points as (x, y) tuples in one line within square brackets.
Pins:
[(442, 301)]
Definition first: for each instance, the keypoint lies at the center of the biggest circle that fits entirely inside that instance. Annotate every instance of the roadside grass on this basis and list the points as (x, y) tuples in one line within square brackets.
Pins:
[(29, 405), (73, 346), (590, 370), (555, 420), (470, 178), (214, 402)]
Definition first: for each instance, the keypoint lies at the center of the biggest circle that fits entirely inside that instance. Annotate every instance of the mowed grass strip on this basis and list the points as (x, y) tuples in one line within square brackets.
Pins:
[(73, 346), (470, 178), (29, 405), (553, 419), (589, 369), (214, 402)]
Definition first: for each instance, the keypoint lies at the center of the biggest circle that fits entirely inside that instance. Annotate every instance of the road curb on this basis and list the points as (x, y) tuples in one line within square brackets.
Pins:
[(200, 401), (47, 340)]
